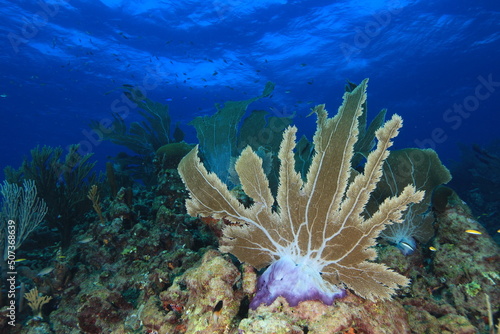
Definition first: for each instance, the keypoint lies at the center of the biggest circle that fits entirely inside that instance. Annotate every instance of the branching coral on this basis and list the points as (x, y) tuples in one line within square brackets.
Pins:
[(143, 138), (36, 302), (22, 207), (62, 181), (318, 240)]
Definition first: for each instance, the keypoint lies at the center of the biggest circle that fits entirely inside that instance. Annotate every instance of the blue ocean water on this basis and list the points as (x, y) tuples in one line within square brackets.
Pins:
[(62, 62)]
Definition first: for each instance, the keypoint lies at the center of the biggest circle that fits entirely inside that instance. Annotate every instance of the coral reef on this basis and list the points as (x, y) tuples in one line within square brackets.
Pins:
[(149, 267), (119, 267)]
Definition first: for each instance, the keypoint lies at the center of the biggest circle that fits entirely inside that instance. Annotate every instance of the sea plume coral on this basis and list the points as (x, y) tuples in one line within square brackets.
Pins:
[(318, 240)]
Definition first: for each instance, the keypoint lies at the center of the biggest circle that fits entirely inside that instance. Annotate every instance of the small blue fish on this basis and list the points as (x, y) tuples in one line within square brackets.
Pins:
[(86, 240), (45, 271), (406, 247)]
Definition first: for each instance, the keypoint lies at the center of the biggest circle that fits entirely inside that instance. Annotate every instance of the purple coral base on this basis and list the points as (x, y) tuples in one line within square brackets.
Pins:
[(296, 283)]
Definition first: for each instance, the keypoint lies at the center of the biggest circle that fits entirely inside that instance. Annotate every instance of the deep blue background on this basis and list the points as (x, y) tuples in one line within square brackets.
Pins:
[(62, 62)]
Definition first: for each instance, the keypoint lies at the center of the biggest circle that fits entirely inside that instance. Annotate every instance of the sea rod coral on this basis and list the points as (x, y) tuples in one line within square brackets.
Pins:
[(318, 240)]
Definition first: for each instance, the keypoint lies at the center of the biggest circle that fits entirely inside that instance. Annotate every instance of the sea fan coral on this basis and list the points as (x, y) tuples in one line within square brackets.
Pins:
[(426, 172), (318, 240)]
